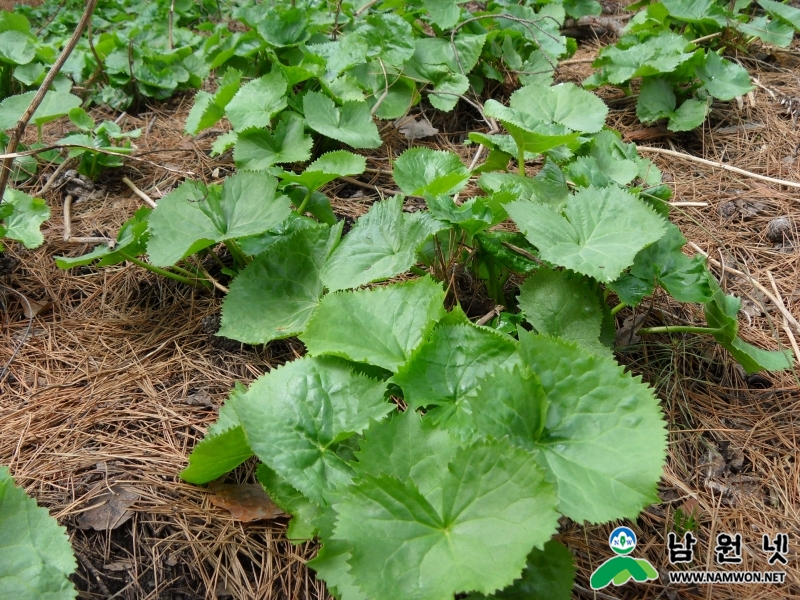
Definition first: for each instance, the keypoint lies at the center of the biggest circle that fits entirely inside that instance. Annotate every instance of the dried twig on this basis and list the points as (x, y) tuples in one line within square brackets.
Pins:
[(718, 165), (19, 130), (150, 202), (786, 327)]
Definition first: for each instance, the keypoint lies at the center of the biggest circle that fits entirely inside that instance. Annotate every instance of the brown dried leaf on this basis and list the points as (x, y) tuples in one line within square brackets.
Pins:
[(414, 130), (109, 510), (119, 565), (626, 335), (31, 308), (200, 398), (245, 501)]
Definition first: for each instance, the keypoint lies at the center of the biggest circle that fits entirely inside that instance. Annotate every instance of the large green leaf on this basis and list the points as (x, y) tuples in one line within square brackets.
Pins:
[(351, 124), (382, 326), (53, 106), (549, 575), (443, 528), (281, 28), (224, 446), (193, 217), (722, 314), (208, 109), (258, 101), (290, 500), (35, 556), (296, 416), (326, 168), (274, 296), (389, 37), (562, 304), (663, 263), (448, 367), (383, 243), (16, 48), (258, 149), (421, 171), (131, 242), (659, 54), (704, 12), (602, 438), (600, 236), (785, 12), (26, 218), (722, 78)]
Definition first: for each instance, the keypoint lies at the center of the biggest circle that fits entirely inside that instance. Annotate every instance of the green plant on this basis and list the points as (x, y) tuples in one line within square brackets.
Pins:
[(20, 218), (102, 137), (35, 556), (680, 78)]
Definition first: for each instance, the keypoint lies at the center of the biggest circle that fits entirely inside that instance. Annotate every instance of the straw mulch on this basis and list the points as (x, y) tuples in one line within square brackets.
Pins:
[(114, 383)]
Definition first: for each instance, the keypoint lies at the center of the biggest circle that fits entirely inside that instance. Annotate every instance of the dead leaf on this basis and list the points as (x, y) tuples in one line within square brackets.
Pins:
[(626, 335), (691, 507), (245, 501), (119, 565), (109, 510), (200, 398), (714, 463), (415, 130)]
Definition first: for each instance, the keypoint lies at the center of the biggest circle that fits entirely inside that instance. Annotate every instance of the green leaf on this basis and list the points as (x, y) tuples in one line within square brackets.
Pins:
[(787, 13), (722, 314), (604, 438), (340, 55), (274, 296), (664, 264), (656, 100), (420, 171), (704, 12), (318, 204), (442, 13), (285, 28), (326, 168), (16, 48), (224, 446), (223, 143), (722, 78), (548, 186), (192, 218), (258, 101), (603, 230), (582, 8), (446, 91), (549, 575), (29, 74), (296, 416), (446, 368), (81, 119), (257, 149), (24, 222), (131, 242), (561, 304), (53, 106), (498, 245), (290, 500), (204, 113), (383, 243), (771, 31), (389, 37), (428, 535), (256, 244), (472, 216), (35, 555), (689, 115), (381, 326), (352, 124), (662, 53)]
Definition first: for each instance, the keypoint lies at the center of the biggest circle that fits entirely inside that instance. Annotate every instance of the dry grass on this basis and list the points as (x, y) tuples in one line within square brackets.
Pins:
[(96, 394)]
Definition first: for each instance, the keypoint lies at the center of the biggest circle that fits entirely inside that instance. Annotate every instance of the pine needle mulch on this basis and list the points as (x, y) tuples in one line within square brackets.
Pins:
[(114, 383)]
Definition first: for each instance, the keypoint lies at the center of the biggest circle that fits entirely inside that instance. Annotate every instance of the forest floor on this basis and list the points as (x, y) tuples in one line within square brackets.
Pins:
[(115, 378)]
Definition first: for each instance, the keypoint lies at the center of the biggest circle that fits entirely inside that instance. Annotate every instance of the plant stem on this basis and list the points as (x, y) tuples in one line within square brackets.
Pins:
[(302, 208), (521, 160), (417, 271), (168, 274), (239, 259), (676, 329), (618, 308)]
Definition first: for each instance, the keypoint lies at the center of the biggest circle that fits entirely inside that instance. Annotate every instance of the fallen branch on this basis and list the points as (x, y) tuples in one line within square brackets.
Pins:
[(148, 200), (19, 130), (718, 165)]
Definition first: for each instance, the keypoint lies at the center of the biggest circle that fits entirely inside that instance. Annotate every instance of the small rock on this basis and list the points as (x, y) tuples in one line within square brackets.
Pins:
[(779, 230)]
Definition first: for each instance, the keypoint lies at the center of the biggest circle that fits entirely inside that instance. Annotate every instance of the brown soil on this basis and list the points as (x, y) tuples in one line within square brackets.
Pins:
[(97, 386)]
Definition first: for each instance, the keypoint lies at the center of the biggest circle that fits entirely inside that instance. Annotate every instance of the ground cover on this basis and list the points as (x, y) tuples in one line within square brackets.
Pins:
[(691, 362)]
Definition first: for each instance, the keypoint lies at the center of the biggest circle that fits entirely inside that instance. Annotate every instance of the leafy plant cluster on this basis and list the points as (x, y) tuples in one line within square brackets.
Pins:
[(679, 79)]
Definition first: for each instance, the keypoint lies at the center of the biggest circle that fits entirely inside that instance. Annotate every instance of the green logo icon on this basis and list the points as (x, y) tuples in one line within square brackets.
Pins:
[(622, 568)]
